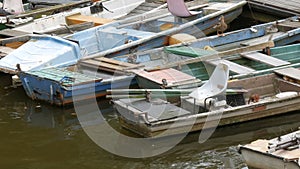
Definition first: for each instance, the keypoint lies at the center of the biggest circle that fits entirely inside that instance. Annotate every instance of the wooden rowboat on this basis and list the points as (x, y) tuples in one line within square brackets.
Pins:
[(159, 118)]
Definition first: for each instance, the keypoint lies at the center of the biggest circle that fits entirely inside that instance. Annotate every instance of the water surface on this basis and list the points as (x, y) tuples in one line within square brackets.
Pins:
[(38, 135)]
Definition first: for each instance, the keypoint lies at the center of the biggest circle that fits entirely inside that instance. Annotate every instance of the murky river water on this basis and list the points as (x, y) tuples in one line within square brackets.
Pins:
[(38, 136)]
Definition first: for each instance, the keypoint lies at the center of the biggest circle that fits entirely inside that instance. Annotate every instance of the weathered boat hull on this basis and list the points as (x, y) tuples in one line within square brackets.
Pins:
[(267, 107), (48, 85), (227, 119)]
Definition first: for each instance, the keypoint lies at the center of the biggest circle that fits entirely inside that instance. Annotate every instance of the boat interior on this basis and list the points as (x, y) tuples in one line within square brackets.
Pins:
[(136, 28), (240, 93), (254, 90)]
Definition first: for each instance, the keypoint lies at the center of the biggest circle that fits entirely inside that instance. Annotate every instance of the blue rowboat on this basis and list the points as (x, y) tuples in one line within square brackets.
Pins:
[(59, 86), (41, 52)]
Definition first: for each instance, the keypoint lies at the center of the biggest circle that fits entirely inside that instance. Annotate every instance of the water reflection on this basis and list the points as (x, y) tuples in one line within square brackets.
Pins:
[(38, 135)]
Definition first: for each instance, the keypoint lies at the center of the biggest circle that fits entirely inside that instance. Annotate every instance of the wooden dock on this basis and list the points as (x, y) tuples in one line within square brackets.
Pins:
[(276, 7)]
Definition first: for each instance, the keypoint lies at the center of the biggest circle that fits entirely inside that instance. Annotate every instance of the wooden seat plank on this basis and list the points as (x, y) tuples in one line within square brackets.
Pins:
[(289, 72), (103, 64), (113, 61), (260, 57), (234, 67), (77, 19), (172, 76)]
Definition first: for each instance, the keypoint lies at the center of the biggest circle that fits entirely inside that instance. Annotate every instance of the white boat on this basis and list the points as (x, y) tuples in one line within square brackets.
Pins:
[(282, 152), (215, 103), (117, 9)]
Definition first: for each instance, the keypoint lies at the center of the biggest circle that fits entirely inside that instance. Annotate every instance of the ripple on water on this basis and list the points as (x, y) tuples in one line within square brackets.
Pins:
[(227, 158), (15, 115)]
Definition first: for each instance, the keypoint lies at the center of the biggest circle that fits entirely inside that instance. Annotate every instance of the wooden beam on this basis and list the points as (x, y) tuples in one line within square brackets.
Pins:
[(69, 29), (115, 62), (23, 38), (289, 72), (78, 18), (12, 33), (260, 57)]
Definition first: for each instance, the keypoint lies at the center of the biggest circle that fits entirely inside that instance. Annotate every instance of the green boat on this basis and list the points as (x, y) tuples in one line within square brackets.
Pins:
[(250, 64), (194, 59)]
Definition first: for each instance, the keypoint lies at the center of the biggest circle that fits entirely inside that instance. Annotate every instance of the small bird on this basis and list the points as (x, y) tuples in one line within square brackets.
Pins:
[(221, 26), (253, 98)]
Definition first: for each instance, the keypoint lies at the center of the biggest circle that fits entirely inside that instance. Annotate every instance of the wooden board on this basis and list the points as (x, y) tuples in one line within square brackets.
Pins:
[(171, 75), (289, 72), (109, 65), (234, 67), (102, 64), (260, 57), (78, 19), (14, 45), (113, 61)]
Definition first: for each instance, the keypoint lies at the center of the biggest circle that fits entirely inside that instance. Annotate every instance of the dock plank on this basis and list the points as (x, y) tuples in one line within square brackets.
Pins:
[(260, 57), (289, 72), (234, 67), (291, 6)]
